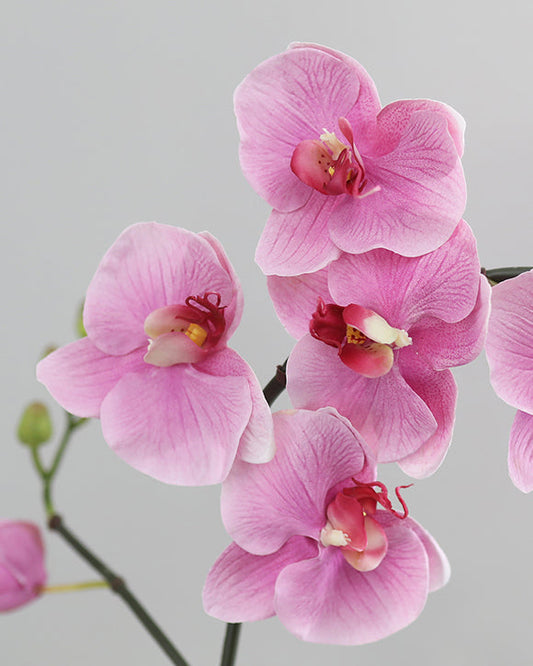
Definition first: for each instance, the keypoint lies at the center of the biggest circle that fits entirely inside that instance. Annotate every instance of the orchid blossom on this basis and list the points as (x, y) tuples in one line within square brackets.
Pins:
[(342, 173), (510, 355), (22, 570), (378, 333), (317, 541), (174, 401)]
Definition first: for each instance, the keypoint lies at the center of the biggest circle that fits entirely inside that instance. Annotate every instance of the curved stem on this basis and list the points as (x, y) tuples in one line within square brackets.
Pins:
[(507, 273), (118, 585), (272, 390)]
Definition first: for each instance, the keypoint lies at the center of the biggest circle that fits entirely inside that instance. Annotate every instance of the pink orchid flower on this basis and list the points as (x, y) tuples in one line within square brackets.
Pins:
[(22, 572), (378, 333), (510, 355), (341, 172), (317, 542), (175, 402)]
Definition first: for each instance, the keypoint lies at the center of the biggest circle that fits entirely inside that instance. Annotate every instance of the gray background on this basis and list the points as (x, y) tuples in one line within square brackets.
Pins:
[(116, 112)]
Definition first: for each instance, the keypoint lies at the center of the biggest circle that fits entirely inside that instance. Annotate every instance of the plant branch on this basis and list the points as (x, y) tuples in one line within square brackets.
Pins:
[(118, 585), (507, 273)]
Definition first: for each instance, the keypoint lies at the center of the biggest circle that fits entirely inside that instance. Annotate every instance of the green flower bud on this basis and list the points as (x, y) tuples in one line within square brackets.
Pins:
[(80, 328), (35, 425)]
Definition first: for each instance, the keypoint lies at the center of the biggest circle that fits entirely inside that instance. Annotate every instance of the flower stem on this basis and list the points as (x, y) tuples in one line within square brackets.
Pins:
[(500, 274), (118, 585), (74, 587), (272, 390)]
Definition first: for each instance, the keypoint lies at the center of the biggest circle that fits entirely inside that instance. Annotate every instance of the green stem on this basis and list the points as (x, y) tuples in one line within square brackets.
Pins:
[(75, 587), (118, 585)]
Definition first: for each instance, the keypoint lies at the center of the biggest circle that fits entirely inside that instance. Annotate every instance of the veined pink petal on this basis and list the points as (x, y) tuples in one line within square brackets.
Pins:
[(439, 567), (233, 316), (509, 341), (285, 100), (392, 418), (376, 548), (422, 194), (393, 120), (363, 114), (240, 586), (79, 375), (177, 424), (442, 284), (444, 345), (22, 571), (297, 482), (325, 600), (148, 267), (521, 452), (297, 242), (295, 299), (257, 441), (439, 392)]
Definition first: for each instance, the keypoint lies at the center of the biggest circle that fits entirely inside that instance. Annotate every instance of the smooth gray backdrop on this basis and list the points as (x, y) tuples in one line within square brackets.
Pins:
[(114, 112)]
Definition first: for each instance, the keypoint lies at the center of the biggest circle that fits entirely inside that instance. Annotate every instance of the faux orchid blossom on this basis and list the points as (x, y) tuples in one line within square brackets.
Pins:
[(510, 355), (22, 571), (340, 171), (174, 401), (378, 333), (317, 541)]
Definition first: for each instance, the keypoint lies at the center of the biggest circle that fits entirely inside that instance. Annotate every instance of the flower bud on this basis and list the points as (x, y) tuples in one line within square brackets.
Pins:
[(35, 425), (80, 328)]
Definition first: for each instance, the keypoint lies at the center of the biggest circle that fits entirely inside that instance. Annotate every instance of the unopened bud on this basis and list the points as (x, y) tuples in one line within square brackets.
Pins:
[(47, 350), (35, 426), (80, 328)]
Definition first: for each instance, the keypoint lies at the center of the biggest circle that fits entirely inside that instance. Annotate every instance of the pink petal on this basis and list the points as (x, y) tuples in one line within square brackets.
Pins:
[(325, 600), (240, 586), (257, 441), (442, 284), (285, 100), (148, 267), (297, 242), (233, 321), (22, 572), (295, 299), (264, 505), (509, 341), (439, 567), (79, 375), (521, 452), (421, 198), (391, 417), (444, 345), (363, 115), (375, 550), (177, 424), (393, 121), (439, 392)]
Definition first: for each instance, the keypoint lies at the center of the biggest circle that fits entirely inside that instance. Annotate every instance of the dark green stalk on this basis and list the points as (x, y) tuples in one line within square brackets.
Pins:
[(118, 585), (500, 274)]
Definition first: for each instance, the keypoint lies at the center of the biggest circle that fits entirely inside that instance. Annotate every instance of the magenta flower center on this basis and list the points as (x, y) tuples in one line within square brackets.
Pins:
[(351, 527), (364, 339), (329, 165), (185, 333)]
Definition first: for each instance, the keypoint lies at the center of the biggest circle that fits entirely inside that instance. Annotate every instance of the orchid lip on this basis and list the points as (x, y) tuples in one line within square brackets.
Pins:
[(331, 166), (365, 340), (351, 525), (184, 333)]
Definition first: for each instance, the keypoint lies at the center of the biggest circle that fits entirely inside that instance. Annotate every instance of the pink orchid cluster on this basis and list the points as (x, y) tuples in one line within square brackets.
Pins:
[(374, 272)]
